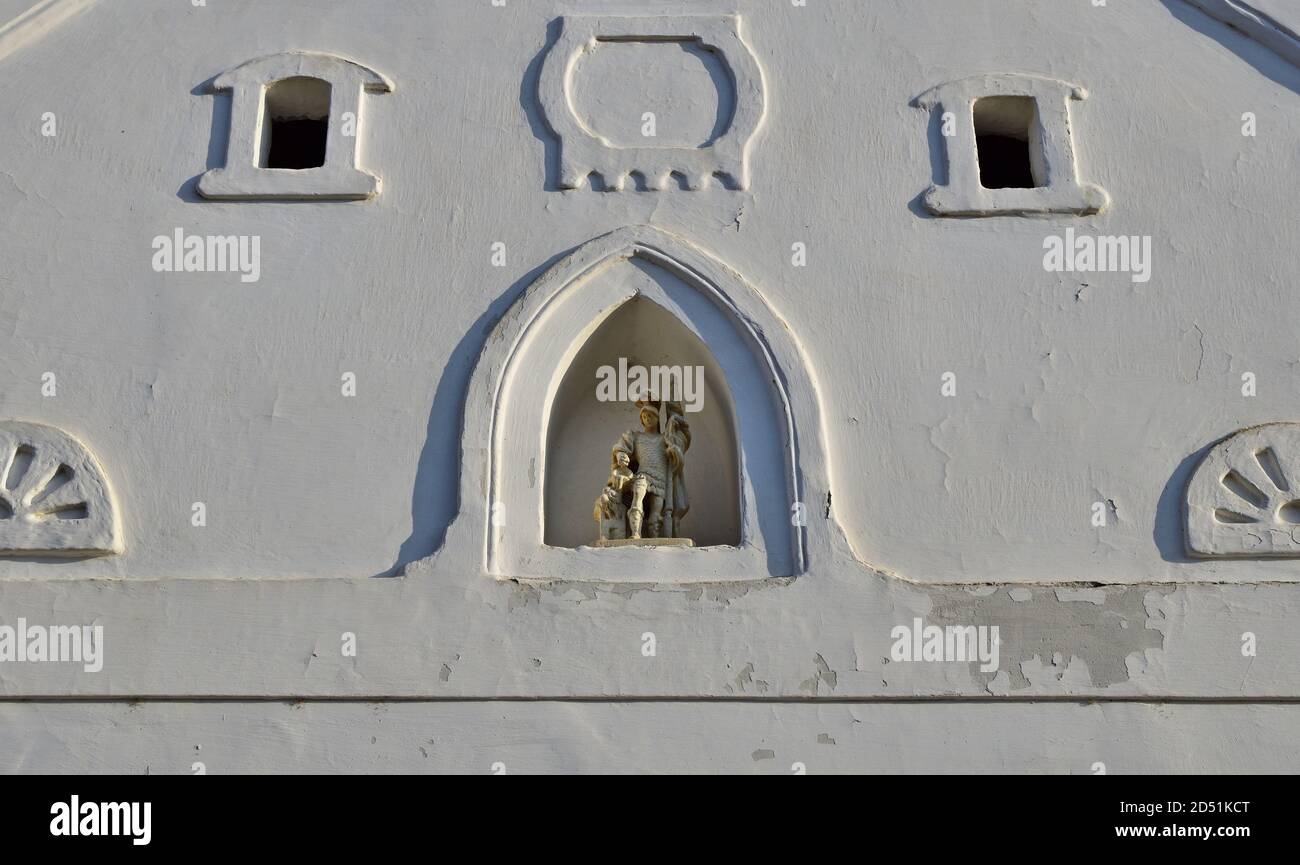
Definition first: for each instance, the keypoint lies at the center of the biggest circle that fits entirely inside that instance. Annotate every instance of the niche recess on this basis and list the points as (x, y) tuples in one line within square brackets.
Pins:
[(582, 428), (1007, 147), (295, 128), (536, 450)]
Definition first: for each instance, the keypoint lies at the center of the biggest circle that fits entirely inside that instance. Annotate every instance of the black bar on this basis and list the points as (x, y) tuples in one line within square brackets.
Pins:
[(210, 814)]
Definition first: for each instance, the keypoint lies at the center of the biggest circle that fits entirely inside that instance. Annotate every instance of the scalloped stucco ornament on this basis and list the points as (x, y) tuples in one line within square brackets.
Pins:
[(584, 151)]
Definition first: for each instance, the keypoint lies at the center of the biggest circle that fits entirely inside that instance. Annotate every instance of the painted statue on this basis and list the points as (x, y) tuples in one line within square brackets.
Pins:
[(645, 497)]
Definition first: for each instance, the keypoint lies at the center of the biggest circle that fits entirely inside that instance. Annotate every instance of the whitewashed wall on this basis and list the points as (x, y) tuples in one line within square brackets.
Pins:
[(329, 514)]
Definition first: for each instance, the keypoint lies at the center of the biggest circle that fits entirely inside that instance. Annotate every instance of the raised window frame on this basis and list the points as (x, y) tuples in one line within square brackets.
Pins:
[(341, 178), (1062, 190)]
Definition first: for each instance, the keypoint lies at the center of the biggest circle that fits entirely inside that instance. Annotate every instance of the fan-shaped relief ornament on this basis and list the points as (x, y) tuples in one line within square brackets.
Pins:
[(54, 497), (1244, 497)]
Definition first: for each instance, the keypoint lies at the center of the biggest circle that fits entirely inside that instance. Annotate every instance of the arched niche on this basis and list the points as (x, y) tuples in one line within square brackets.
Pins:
[(781, 461), (582, 427)]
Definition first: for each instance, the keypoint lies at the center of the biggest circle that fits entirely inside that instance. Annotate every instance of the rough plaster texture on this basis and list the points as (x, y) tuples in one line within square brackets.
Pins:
[(369, 514), (731, 738)]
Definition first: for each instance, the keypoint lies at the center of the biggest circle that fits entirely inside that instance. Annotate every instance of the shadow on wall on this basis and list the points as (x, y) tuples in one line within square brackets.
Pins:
[(222, 102), (438, 471), (938, 146), (530, 101), (1260, 57), (1171, 516)]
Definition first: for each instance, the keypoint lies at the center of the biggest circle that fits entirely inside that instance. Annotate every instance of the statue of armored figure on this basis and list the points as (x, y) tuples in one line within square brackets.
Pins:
[(645, 500)]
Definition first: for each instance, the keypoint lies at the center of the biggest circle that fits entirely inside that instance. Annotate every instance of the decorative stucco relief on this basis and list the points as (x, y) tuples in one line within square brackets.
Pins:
[(1244, 497), (54, 498), (585, 151)]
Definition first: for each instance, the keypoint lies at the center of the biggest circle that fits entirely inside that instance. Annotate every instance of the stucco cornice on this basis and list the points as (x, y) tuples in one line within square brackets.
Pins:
[(1258, 26), (38, 20)]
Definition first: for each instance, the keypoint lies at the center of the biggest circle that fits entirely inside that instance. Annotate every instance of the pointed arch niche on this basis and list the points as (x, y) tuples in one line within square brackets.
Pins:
[(536, 444), (648, 330)]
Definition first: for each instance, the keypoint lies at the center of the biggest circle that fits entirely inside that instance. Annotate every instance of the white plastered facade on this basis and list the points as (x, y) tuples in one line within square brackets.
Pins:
[(370, 515)]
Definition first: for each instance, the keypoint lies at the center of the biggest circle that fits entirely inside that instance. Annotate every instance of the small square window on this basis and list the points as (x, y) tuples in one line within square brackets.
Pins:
[(295, 123), (1008, 142)]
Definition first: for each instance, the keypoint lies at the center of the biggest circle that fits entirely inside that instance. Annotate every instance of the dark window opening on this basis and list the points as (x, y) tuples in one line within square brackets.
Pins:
[(1008, 142), (297, 143), (1004, 162), (296, 123)]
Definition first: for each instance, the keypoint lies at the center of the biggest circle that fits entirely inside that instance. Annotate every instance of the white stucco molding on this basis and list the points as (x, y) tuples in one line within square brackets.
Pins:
[(503, 445), (340, 177), (54, 498), (1244, 497), (1255, 24), (583, 151), (1062, 190), (38, 20)]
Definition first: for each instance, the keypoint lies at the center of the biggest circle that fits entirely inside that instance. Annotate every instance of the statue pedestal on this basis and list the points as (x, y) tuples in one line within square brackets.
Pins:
[(646, 542)]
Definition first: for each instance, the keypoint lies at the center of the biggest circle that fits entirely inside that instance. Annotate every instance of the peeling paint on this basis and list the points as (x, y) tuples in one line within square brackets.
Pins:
[(1045, 634), (824, 675)]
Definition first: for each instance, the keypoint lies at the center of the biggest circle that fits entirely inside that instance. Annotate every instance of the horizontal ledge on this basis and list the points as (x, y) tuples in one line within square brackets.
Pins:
[(1182, 699), (273, 184), (1208, 582), (1084, 200)]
